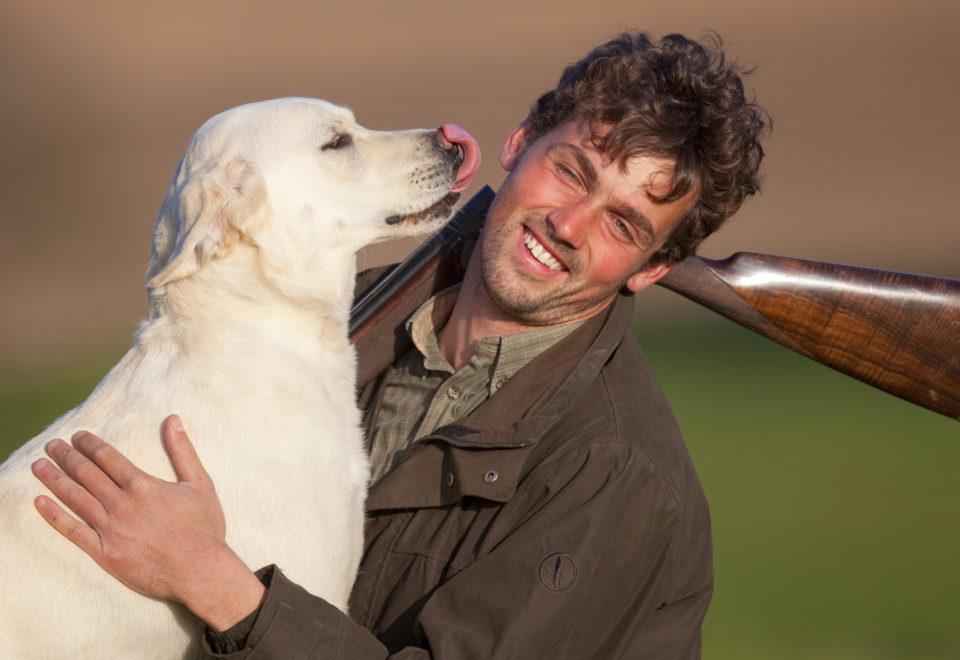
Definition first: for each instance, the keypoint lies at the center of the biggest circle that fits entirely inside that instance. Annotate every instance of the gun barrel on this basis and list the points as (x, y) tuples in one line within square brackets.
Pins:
[(380, 312)]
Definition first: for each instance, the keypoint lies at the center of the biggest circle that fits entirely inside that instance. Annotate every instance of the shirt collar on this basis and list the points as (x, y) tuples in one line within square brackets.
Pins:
[(508, 354), (424, 327)]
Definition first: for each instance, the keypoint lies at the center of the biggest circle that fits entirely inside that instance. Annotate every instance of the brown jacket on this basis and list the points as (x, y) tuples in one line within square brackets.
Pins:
[(561, 519)]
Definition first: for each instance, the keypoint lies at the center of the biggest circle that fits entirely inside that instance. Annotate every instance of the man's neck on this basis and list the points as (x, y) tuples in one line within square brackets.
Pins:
[(474, 317)]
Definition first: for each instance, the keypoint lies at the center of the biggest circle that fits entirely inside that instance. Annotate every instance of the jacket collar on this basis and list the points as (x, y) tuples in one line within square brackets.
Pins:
[(483, 454)]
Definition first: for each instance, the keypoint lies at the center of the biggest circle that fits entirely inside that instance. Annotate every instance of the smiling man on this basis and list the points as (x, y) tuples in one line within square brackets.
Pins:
[(531, 496), (570, 227)]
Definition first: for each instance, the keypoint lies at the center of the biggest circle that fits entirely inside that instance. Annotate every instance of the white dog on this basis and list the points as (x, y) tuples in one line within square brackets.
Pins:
[(250, 285)]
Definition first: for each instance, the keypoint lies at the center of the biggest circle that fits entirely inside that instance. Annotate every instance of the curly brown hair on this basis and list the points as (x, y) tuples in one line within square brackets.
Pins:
[(677, 99)]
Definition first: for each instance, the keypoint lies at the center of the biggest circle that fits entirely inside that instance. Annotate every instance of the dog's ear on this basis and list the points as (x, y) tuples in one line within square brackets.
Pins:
[(202, 216)]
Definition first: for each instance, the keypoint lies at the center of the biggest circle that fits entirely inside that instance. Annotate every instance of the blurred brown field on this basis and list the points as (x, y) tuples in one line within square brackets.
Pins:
[(835, 508), (99, 99)]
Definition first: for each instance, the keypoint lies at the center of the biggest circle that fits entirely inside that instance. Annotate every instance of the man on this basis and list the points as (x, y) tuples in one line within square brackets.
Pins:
[(531, 493)]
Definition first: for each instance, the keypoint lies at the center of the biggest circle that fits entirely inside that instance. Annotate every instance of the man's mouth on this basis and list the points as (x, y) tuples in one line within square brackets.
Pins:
[(539, 252)]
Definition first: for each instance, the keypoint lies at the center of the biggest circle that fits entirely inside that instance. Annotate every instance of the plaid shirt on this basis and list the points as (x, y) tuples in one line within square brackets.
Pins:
[(422, 391)]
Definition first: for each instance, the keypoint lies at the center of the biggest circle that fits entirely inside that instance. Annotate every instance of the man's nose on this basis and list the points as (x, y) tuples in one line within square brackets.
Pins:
[(568, 224)]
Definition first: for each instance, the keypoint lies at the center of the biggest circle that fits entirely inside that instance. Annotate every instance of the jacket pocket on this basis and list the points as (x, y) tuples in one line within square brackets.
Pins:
[(449, 537)]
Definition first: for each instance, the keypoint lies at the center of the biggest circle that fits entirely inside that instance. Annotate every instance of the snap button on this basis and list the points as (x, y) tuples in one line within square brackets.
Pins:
[(450, 480), (453, 393), (491, 476)]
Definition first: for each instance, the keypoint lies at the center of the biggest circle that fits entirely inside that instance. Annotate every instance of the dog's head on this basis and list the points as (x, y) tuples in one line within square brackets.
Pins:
[(299, 179)]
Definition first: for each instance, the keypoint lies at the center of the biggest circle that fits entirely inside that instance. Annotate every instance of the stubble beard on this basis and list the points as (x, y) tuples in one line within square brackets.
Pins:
[(516, 296)]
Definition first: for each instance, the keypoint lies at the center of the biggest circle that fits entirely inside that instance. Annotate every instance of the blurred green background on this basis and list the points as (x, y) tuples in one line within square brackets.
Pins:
[(836, 509)]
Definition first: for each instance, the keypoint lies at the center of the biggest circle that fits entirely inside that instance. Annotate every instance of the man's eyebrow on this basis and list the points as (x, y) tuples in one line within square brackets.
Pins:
[(629, 213), (585, 165), (639, 220)]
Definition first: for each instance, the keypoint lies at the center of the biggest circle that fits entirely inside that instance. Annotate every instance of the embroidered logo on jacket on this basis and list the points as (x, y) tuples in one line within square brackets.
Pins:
[(557, 572)]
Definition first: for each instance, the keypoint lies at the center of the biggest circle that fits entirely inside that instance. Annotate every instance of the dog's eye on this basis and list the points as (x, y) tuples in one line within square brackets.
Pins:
[(339, 141)]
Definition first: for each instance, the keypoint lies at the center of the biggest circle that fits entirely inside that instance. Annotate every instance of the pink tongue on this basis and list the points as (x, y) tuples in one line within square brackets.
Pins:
[(471, 155)]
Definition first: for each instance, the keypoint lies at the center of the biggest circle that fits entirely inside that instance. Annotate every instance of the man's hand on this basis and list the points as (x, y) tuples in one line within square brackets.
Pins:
[(163, 539)]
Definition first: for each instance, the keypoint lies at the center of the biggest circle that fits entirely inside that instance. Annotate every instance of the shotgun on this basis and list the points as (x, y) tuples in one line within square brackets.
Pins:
[(895, 331)]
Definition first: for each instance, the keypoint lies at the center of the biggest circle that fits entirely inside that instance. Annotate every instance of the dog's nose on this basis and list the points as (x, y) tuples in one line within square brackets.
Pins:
[(450, 136)]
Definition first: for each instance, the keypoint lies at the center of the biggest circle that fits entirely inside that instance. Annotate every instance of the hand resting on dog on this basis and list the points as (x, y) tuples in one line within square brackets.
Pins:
[(163, 539)]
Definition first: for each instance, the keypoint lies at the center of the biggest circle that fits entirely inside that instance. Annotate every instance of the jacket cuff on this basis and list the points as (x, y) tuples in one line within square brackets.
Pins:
[(233, 639), (293, 623)]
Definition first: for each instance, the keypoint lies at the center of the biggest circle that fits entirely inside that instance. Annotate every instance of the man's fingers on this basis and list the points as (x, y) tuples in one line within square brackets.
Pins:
[(184, 457), (79, 534), (110, 461), (82, 470), (70, 492)]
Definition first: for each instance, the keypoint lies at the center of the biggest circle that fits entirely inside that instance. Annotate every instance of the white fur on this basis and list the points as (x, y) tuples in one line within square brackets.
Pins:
[(250, 285)]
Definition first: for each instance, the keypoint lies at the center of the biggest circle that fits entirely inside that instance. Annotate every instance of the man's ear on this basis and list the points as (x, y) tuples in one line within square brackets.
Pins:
[(514, 146), (646, 277), (202, 217)]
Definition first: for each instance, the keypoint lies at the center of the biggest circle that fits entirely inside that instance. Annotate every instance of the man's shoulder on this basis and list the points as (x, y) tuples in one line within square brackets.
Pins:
[(626, 410), (637, 404), (626, 402)]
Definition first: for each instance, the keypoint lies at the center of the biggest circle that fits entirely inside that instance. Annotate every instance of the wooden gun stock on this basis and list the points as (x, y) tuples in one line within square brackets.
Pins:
[(897, 332)]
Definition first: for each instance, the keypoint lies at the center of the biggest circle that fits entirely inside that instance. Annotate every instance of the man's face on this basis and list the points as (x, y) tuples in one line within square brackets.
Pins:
[(569, 228)]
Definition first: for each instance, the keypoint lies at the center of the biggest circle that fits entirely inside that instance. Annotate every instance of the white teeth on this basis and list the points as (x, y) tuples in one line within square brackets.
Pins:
[(540, 252)]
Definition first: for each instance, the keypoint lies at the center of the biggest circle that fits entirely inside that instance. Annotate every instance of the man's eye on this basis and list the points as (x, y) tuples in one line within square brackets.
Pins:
[(339, 141), (622, 227), (568, 173)]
